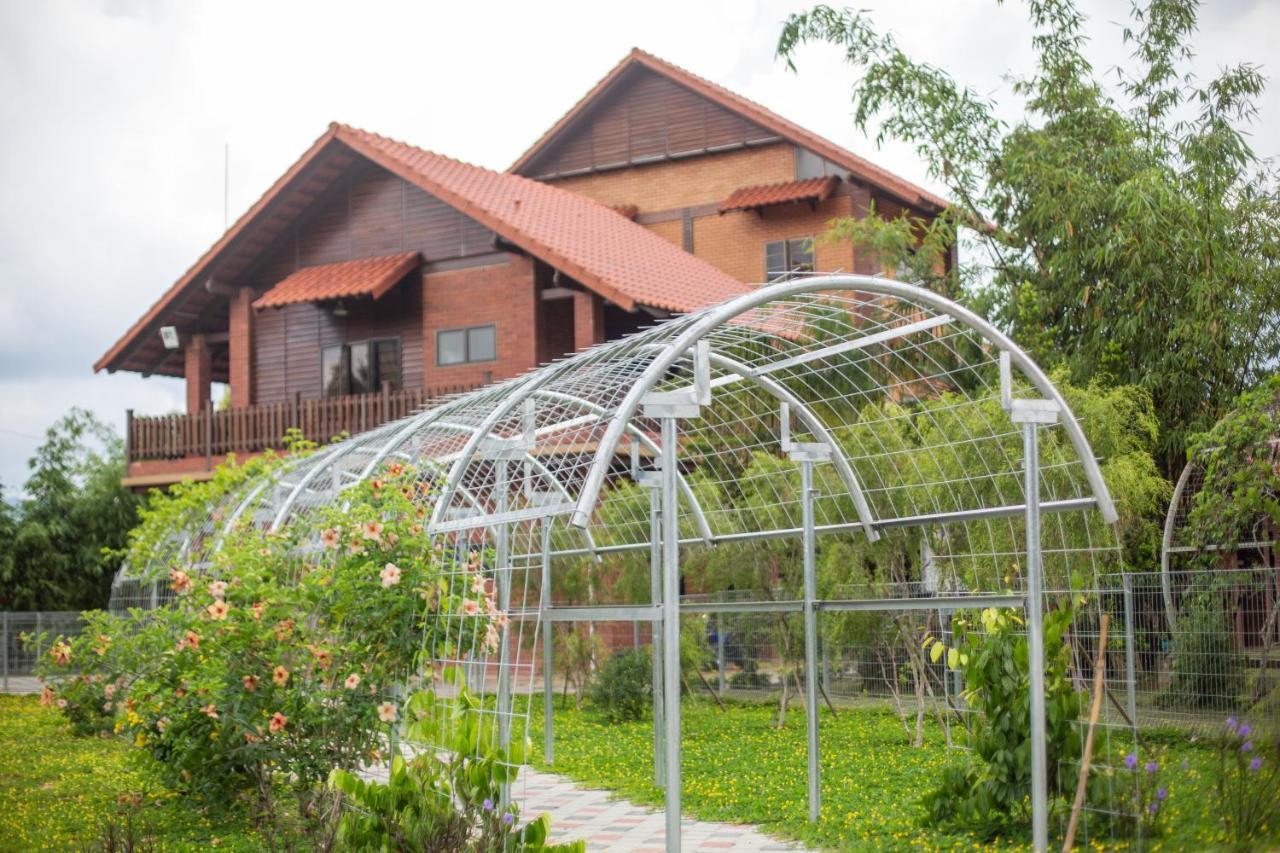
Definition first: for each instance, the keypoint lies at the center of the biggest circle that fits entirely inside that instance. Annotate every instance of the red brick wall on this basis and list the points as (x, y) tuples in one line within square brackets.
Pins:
[(588, 320), (199, 373), (502, 294), (240, 348), (684, 183)]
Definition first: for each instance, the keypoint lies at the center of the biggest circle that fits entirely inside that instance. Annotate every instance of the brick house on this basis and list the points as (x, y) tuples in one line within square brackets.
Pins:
[(373, 275)]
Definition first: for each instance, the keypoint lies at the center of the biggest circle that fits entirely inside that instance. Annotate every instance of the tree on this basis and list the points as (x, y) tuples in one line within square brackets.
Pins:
[(75, 512), (1127, 233)]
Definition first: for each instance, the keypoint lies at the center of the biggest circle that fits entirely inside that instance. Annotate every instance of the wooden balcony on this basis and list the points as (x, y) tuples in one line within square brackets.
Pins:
[(168, 448)]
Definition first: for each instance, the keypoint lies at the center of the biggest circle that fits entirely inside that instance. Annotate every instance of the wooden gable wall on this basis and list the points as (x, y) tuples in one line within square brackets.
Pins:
[(367, 212), (644, 117)]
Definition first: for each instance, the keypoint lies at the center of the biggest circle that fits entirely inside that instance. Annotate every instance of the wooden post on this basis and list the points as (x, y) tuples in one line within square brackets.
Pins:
[(128, 438), (1099, 685)]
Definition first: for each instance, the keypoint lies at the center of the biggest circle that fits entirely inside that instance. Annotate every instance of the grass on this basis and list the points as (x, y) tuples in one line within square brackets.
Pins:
[(58, 791), (737, 766)]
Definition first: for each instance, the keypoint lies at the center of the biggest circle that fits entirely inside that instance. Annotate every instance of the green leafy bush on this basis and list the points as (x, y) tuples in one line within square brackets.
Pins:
[(1247, 784), (990, 795), (622, 688), (447, 800), (1207, 669)]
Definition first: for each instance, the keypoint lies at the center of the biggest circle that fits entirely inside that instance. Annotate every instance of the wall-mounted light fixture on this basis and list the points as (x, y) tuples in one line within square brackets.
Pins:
[(169, 336), (339, 310)]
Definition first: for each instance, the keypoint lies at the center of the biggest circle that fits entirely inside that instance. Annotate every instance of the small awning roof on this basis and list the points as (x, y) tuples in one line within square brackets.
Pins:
[(748, 198), (365, 277)]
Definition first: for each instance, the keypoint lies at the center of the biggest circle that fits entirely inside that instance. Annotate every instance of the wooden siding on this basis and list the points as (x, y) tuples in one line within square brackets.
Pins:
[(287, 341), (367, 212), (645, 117)]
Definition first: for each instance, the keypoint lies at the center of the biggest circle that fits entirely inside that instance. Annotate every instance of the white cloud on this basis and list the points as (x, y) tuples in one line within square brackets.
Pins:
[(116, 114)]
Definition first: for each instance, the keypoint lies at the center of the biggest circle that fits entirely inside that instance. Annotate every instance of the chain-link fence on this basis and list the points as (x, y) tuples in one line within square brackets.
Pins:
[(18, 657)]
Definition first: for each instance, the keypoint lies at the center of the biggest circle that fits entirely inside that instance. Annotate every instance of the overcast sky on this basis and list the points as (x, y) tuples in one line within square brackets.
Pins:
[(116, 113)]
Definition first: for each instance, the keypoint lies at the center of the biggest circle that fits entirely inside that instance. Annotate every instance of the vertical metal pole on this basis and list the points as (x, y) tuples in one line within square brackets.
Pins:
[(671, 633), (810, 638), (502, 577), (548, 641), (1035, 641), (720, 652), (4, 649), (1130, 652), (655, 631)]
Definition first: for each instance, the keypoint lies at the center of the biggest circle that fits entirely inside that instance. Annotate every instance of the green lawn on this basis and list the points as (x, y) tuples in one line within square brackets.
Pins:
[(738, 767), (58, 790)]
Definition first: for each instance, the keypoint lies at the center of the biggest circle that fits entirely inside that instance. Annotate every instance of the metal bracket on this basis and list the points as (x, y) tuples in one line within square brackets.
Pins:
[(1034, 411), (809, 451), (682, 404)]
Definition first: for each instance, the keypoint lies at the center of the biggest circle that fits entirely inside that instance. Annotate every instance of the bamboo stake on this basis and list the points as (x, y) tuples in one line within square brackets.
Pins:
[(1099, 670)]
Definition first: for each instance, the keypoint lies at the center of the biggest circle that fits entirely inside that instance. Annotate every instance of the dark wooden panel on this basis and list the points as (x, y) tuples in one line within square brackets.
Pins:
[(642, 117)]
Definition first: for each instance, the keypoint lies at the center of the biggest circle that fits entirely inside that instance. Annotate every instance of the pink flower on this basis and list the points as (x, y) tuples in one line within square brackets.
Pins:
[(257, 608), (390, 575), (387, 712), (478, 584), (61, 653), (491, 638), (280, 676), (106, 706), (109, 691), (251, 682), (190, 640), (180, 581), (162, 724), (210, 711), (353, 681), (395, 469), (469, 607), (218, 610), (503, 619), (61, 703), (46, 696), (331, 537), (371, 530), (278, 722), (218, 589)]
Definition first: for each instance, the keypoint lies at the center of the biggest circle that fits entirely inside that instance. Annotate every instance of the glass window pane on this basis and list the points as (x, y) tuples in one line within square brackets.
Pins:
[(451, 347), (481, 344), (332, 373), (387, 362), (801, 255), (361, 378), (775, 260)]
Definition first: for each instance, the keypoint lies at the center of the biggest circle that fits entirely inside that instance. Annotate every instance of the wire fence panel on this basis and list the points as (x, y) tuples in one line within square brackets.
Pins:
[(18, 657)]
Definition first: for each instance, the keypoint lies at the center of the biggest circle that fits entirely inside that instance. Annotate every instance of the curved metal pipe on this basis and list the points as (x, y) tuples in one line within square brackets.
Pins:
[(716, 316)]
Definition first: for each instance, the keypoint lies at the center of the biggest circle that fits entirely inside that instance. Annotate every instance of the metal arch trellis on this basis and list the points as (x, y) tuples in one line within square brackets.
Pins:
[(725, 380)]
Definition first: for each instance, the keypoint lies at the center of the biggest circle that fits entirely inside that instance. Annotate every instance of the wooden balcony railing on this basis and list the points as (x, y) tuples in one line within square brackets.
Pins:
[(253, 429)]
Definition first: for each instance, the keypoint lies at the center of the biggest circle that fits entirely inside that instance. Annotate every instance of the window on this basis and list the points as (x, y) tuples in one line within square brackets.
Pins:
[(810, 165), (360, 367), (784, 257), (466, 346)]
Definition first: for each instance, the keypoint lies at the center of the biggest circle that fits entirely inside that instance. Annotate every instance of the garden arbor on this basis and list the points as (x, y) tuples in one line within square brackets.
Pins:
[(826, 408)]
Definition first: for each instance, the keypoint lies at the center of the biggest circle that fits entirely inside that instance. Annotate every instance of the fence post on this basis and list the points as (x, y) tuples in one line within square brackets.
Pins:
[(720, 652), (4, 648), (39, 627), (1130, 652), (548, 644)]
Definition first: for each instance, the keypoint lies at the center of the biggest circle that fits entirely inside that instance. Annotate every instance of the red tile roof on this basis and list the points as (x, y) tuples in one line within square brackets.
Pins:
[(620, 260), (365, 277), (860, 166), (813, 190)]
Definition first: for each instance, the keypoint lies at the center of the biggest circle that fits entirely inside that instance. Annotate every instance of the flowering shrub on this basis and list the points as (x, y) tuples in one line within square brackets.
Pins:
[(283, 659), (1248, 782), (1147, 794)]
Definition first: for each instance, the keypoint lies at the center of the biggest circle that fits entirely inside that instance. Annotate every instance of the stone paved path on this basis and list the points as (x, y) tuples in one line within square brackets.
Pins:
[(617, 825)]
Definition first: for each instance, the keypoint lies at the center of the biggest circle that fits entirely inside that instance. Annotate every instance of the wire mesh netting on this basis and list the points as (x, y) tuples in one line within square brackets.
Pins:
[(544, 492)]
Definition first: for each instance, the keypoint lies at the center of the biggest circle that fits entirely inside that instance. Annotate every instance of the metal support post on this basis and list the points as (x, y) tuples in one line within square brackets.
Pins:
[(1130, 652), (4, 648), (667, 407), (671, 633), (1030, 414), (655, 645), (548, 642), (806, 455)]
